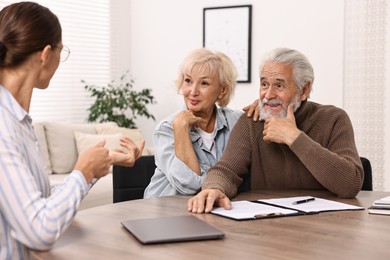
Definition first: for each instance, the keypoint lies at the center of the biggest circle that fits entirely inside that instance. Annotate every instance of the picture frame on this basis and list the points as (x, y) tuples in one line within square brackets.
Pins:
[(229, 29)]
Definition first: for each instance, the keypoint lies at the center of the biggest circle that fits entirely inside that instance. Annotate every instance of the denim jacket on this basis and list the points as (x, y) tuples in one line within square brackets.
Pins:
[(172, 176)]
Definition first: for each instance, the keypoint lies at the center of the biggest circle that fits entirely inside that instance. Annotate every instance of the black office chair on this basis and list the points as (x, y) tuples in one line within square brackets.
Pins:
[(367, 184), (129, 183)]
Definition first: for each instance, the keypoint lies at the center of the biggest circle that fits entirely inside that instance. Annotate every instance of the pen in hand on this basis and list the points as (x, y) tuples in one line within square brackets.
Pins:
[(303, 201)]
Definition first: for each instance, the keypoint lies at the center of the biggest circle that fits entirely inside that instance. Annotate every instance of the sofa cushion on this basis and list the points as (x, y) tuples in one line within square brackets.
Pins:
[(62, 145), (41, 138), (134, 134), (85, 141)]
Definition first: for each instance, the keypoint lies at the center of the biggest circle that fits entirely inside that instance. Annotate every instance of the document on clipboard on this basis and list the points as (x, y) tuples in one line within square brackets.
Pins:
[(311, 205), (242, 210), (281, 207)]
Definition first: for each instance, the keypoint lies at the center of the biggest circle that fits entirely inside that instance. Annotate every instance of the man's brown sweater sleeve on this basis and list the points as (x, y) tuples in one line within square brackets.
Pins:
[(227, 174)]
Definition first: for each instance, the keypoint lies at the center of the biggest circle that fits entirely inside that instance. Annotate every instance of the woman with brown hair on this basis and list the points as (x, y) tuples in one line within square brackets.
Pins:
[(32, 215)]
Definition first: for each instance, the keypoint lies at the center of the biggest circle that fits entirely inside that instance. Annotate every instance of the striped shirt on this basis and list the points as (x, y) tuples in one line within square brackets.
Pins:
[(31, 215)]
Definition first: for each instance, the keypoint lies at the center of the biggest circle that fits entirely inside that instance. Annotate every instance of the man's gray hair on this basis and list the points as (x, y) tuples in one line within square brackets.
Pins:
[(302, 69)]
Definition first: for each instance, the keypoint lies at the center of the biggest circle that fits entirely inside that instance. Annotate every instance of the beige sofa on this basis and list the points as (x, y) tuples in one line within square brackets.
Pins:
[(61, 143)]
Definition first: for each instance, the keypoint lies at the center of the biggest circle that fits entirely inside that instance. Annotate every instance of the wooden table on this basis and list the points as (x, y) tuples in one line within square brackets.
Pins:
[(97, 233)]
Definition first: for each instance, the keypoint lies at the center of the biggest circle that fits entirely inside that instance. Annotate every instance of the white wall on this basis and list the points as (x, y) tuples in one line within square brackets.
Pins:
[(163, 32), (160, 33), (387, 110)]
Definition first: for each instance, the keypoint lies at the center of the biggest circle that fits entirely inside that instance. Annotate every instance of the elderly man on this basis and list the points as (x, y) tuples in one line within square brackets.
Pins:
[(297, 144)]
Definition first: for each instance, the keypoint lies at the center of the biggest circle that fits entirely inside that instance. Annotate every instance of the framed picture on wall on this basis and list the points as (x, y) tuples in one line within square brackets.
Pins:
[(228, 29)]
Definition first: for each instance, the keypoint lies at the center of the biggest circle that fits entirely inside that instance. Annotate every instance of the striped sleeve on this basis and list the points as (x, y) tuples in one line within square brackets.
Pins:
[(31, 216)]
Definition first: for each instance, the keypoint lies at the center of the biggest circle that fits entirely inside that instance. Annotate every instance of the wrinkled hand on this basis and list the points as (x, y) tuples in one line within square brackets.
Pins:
[(281, 130), (205, 200), (127, 158), (253, 110), (186, 119), (94, 162)]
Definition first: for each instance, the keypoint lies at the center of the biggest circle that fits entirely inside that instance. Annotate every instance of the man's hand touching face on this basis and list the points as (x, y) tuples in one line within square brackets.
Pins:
[(281, 130)]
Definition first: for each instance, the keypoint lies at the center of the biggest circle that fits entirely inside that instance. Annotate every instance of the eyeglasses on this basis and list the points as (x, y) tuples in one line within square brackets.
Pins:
[(65, 52)]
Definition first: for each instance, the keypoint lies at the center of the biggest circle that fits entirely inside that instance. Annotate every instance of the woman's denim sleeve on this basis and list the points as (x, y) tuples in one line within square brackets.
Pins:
[(180, 177)]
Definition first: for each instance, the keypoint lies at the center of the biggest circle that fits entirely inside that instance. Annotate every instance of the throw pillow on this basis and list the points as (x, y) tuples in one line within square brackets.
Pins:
[(85, 141), (134, 134), (62, 145)]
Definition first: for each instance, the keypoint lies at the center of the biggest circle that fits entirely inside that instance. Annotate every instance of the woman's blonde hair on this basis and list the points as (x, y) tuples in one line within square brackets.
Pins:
[(213, 64)]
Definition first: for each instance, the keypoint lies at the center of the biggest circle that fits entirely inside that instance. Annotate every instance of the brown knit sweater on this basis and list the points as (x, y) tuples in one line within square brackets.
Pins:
[(324, 156)]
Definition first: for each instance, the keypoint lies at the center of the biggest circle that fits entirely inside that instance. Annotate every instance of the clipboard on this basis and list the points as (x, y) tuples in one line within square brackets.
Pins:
[(246, 210), (281, 207)]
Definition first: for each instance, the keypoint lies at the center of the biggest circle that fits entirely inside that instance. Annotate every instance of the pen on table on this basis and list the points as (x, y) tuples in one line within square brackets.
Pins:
[(303, 201)]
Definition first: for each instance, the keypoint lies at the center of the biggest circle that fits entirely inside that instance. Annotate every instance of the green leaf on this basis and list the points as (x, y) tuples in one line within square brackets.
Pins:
[(119, 102)]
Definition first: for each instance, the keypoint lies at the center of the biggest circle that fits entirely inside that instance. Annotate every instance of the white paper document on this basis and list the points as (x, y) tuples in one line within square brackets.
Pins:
[(251, 210), (312, 205), (382, 203), (267, 208), (380, 207)]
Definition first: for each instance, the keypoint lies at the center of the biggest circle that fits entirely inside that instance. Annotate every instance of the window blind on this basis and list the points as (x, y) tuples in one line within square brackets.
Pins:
[(86, 30)]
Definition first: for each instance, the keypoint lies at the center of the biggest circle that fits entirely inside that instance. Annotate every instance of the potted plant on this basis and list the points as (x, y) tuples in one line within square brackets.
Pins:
[(119, 103)]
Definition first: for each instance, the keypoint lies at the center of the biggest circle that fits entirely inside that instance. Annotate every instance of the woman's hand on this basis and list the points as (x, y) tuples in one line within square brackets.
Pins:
[(127, 158), (253, 110), (94, 162), (186, 120), (184, 151)]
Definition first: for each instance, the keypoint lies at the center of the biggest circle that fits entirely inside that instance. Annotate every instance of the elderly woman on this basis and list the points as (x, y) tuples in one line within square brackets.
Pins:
[(189, 142)]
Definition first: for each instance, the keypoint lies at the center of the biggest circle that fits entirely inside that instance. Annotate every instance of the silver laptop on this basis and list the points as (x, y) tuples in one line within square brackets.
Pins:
[(171, 229)]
